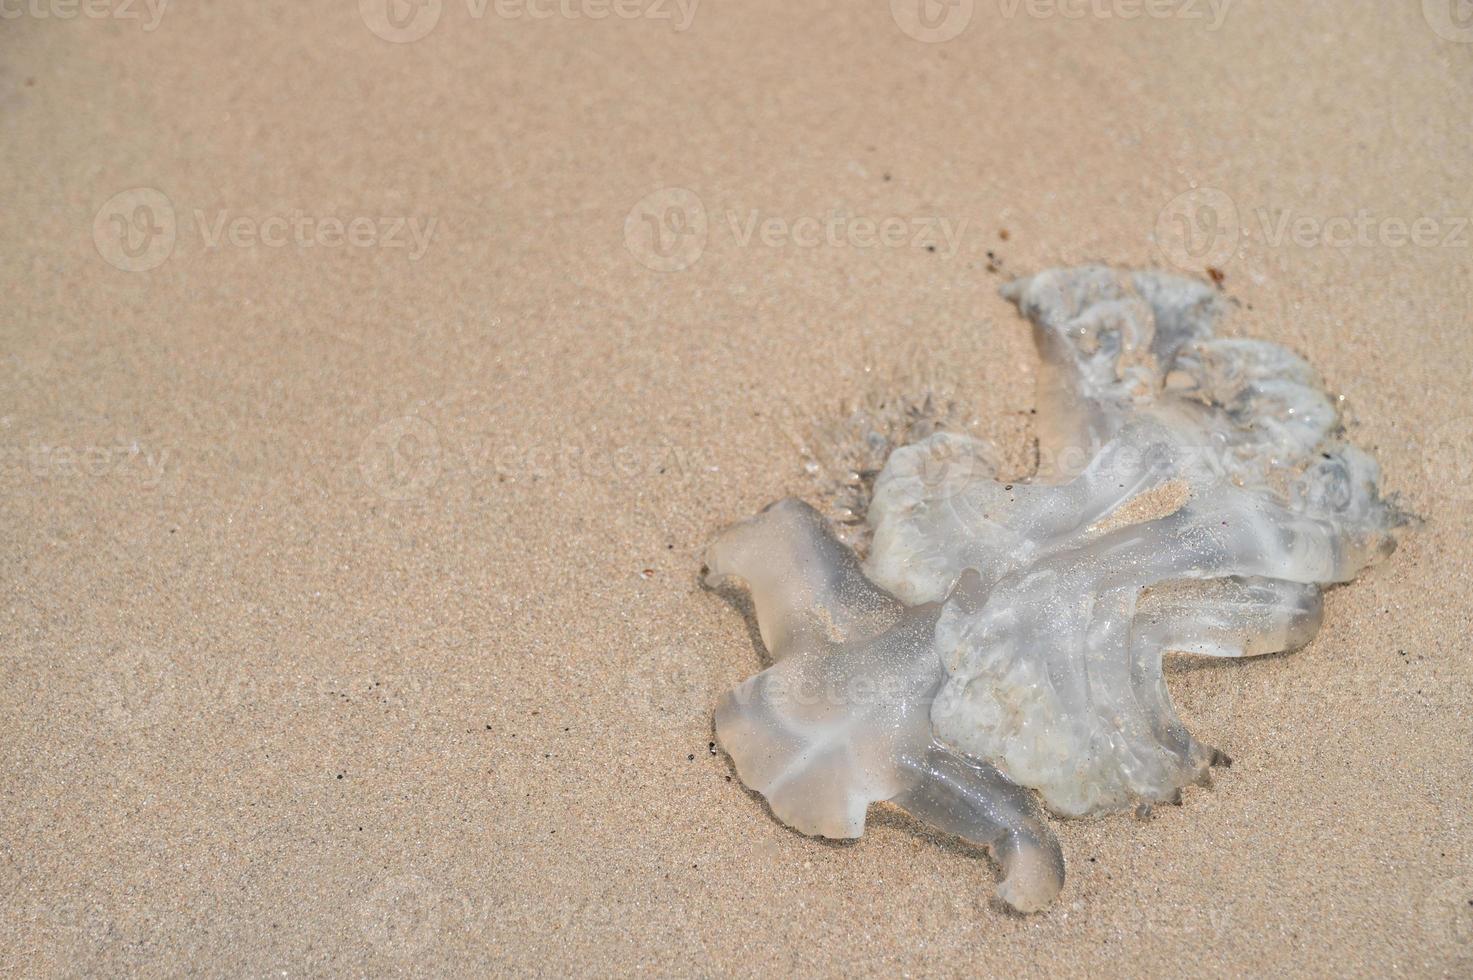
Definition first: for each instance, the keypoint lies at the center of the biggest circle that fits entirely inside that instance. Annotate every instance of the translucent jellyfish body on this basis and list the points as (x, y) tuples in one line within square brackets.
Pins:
[(1002, 644)]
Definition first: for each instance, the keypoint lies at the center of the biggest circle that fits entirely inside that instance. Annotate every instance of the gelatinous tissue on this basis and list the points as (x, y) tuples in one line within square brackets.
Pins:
[(1002, 644)]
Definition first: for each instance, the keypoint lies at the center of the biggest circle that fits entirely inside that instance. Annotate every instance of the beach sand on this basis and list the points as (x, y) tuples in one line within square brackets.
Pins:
[(351, 620)]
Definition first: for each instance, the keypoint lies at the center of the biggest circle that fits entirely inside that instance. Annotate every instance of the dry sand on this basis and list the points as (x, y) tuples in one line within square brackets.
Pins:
[(271, 705)]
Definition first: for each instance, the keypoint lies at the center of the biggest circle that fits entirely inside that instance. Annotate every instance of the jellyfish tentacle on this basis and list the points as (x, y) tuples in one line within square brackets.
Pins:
[(973, 801), (807, 587), (1233, 616)]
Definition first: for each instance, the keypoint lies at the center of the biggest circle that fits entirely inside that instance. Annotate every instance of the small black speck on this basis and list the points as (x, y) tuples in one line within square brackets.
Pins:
[(885, 176), (488, 728), (1091, 860), (691, 757), (930, 248), (340, 775), (1008, 487), (728, 779)]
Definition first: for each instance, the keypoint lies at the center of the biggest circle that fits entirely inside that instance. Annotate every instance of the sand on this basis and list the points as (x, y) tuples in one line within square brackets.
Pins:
[(351, 622)]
